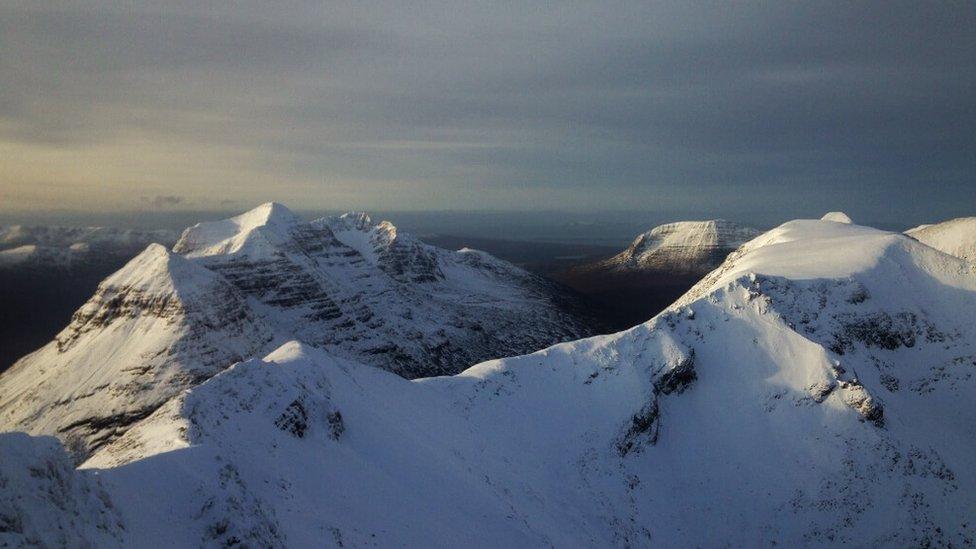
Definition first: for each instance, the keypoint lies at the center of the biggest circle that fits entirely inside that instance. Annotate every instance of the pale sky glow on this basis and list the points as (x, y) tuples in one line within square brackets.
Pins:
[(454, 105)]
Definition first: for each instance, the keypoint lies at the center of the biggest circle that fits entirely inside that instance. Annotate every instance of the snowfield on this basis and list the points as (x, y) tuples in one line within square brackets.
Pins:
[(815, 389)]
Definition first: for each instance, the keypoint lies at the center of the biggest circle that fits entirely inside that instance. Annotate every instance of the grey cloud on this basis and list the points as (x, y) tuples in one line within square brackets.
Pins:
[(669, 97), (165, 201)]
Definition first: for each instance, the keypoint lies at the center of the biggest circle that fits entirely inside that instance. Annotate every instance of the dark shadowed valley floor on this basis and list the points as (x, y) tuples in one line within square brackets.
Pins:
[(619, 300), (35, 304)]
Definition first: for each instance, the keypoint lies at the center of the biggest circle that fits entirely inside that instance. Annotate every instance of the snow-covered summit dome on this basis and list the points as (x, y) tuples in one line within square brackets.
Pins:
[(837, 217)]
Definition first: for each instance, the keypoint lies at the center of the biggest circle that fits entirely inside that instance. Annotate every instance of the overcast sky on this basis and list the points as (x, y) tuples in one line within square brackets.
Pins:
[(864, 106)]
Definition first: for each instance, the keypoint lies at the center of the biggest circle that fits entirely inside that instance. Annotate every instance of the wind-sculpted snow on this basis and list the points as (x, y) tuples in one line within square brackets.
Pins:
[(815, 390), (238, 288), (837, 217)]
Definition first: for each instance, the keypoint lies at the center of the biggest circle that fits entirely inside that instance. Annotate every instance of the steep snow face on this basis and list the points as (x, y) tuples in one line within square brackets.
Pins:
[(816, 389), (955, 237), (157, 326), (682, 247), (238, 288), (47, 503)]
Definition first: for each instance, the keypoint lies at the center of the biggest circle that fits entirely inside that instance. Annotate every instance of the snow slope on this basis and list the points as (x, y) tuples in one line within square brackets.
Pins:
[(955, 237), (684, 247), (238, 288), (814, 390), (157, 326)]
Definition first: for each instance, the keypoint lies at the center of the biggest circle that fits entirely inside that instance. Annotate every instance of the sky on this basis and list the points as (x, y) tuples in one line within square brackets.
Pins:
[(720, 107)]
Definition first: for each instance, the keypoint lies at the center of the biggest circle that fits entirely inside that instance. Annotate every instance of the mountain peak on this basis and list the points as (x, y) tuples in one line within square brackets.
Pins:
[(349, 221), (235, 234), (360, 219), (268, 213), (157, 270)]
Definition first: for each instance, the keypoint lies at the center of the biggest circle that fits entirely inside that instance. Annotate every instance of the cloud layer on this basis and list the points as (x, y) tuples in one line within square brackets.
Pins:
[(489, 105)]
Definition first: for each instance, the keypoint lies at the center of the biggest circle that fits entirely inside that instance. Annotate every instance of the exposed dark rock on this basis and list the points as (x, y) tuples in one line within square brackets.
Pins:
[(294, 420), (643, 429), (336, 425), (676, 379)]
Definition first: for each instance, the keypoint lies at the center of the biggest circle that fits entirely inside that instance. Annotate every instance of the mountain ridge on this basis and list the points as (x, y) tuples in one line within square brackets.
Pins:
[(800, 396)]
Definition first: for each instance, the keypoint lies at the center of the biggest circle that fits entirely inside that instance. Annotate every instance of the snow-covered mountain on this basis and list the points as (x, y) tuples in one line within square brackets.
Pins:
[(239, 288), (47, 272), (659, 266), (684, 247), (955, 237), (816, 389)]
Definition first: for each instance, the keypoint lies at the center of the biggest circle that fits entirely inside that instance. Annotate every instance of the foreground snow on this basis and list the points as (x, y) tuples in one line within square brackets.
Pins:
[(814, 390)]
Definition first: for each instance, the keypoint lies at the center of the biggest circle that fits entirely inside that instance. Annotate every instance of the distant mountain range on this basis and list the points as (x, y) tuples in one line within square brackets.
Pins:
[(65, 247), (814, 389), (47, 272)]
